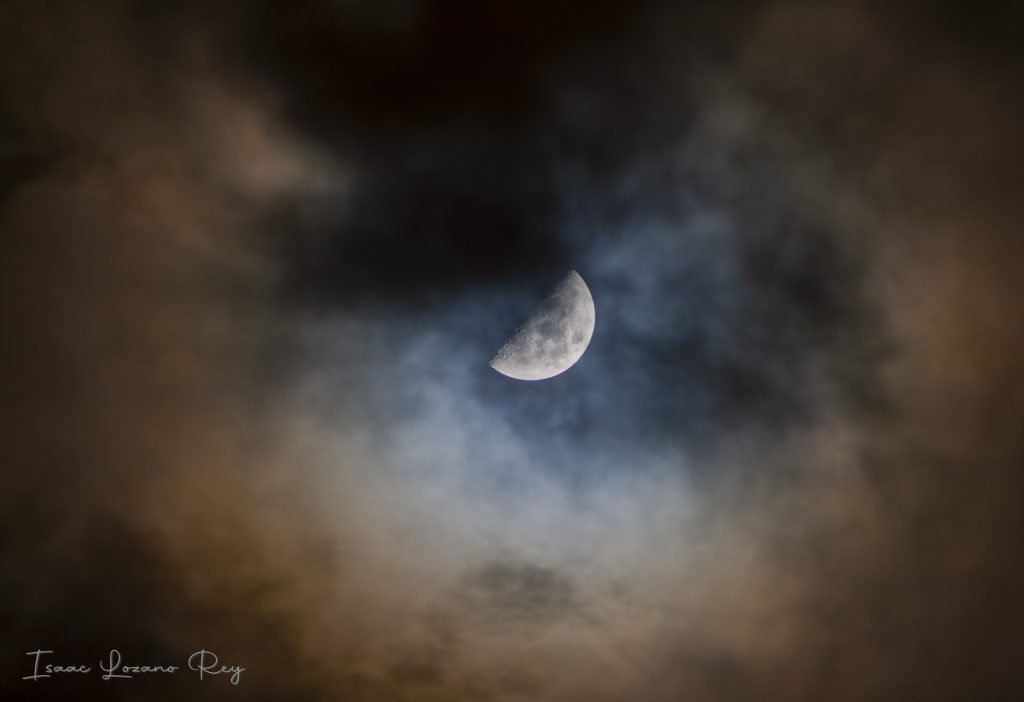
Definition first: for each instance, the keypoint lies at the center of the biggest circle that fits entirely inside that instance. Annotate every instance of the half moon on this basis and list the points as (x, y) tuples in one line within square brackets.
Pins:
[(554, 337)]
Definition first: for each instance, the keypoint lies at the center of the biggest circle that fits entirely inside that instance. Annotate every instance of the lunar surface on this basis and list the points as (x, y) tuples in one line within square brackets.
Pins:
[(554, 337)]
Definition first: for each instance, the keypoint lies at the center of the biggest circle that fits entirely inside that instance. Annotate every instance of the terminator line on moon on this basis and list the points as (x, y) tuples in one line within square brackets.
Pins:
[(554, 337)]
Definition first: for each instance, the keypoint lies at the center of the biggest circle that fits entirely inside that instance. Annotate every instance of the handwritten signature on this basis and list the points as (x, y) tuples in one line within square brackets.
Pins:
[(204, 662)]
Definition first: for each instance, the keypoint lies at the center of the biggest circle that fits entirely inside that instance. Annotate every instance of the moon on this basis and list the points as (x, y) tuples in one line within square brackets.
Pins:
[(554, 337)]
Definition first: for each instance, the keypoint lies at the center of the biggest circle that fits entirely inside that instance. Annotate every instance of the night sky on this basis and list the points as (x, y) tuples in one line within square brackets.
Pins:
[(257, 257)]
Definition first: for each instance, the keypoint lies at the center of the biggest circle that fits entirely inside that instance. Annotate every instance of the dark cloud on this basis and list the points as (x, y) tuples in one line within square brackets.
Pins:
[(524, 590)]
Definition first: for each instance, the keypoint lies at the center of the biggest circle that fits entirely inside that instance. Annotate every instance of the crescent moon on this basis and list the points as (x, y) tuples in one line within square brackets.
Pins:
[(554, 337)]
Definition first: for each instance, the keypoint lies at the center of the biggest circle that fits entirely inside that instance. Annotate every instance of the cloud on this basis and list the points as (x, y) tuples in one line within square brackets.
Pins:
[(250, 407)]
